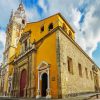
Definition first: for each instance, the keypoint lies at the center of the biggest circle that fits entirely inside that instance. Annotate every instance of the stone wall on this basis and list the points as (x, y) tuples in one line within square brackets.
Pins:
[(73, 83), (98, 73)]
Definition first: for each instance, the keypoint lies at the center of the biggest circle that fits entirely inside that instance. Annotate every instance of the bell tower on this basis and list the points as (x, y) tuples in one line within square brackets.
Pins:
[(15, 27)]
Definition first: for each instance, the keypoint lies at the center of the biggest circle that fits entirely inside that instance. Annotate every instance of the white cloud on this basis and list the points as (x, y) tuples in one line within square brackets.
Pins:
[(2, 36), (90, 31), (2, 43), (6, 7), (32, 14), (76, 16), (43, 5)]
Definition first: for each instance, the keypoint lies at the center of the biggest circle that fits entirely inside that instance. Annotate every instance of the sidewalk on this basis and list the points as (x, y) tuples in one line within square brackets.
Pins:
[(92, 96)]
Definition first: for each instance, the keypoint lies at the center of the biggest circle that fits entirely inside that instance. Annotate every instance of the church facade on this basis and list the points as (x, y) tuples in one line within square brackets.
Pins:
[(43, 59)]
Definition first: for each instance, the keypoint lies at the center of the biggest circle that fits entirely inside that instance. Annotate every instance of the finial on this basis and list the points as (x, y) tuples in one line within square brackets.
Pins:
[(21, 5)]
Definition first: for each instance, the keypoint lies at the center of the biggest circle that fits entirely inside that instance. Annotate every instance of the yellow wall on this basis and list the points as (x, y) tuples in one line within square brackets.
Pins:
[(36, 28), (61, 22), (6, 82), (47, 52)]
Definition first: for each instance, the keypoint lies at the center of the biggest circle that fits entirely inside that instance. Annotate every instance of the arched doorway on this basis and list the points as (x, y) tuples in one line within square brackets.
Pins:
[(43, 88), (44, 84), (22, 82)]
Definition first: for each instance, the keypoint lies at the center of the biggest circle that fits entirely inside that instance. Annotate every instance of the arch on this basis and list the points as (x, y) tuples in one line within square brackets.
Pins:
[(23, 21), (70, 34), (50, 26), (44, 84), (43, 65), (44, 76), (23, 79)]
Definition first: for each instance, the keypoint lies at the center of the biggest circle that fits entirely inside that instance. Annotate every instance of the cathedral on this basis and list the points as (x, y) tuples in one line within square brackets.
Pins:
[(42, 59)]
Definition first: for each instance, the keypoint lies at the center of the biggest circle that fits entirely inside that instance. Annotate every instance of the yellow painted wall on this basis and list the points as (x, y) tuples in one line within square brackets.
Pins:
[(36, 28), (6, 82), (61, 22), (47, 52)]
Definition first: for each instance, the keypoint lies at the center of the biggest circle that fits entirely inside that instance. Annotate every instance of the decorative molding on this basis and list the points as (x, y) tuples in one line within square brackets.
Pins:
[(43, 68), (94, 68), (24, 36), (43, 65), (25, 53)]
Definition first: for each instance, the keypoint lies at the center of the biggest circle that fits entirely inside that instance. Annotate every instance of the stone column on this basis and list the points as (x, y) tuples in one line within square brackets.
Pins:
[(38, 90), (33, 65), (48, 89)]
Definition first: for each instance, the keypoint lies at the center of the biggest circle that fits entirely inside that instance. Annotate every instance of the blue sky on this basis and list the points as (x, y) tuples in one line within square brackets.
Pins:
[(83, 15)]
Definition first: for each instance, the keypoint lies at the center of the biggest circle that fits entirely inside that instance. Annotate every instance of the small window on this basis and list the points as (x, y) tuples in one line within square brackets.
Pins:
[(42, 28), (50, 27), (23, 21), (70, 66), (64, 27), (86, 72), (91, 75), (70, 34), (80, 69)]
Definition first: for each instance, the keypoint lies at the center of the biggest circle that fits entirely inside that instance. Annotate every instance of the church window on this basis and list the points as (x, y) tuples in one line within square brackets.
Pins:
[(42, 28), (70, 66), (80, 69), (86, 71), (50, 27)]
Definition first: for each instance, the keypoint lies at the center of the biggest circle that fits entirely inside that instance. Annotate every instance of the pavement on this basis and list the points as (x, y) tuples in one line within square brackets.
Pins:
[(92, 96)]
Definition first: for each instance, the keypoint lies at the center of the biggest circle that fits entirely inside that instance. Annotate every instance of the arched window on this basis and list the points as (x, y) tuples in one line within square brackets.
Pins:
[(70, 65), (70, 34), (23, 21), (64, 27), (80, 69), (50, 27), (86, 71), (42, 28)]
